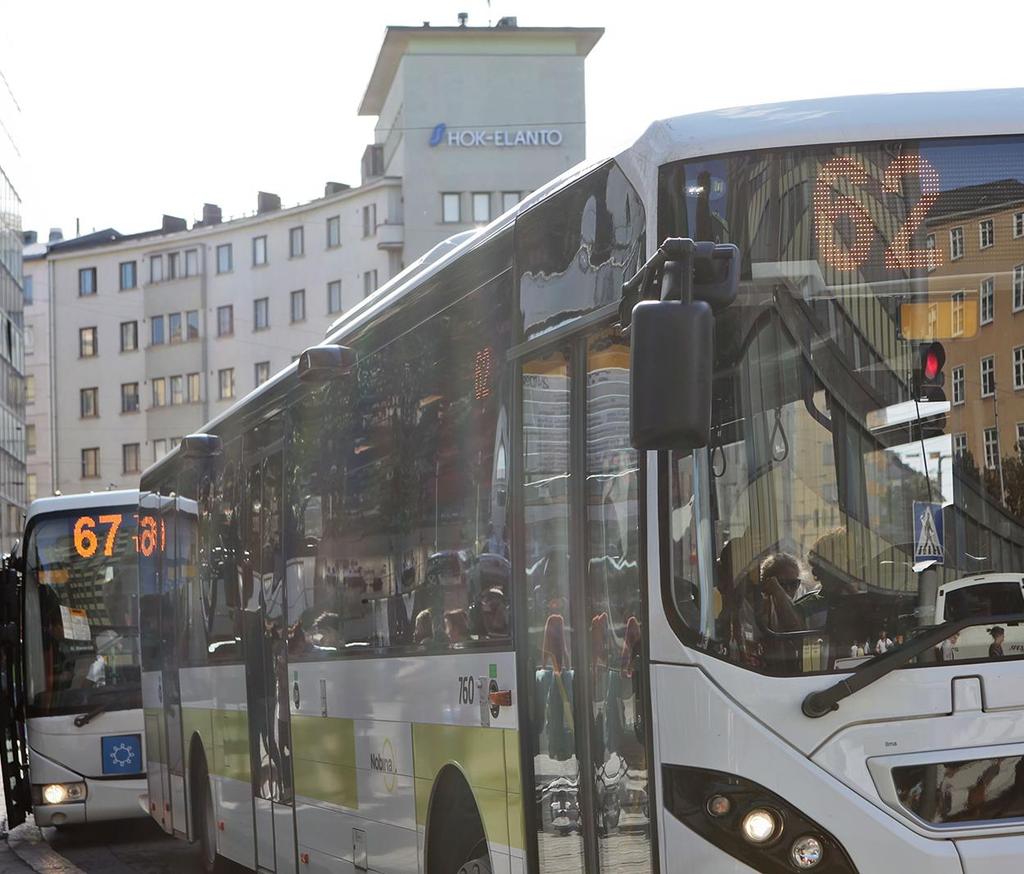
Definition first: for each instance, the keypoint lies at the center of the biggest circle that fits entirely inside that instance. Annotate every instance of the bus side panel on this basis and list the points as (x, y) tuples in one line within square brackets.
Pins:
[(153, 720)]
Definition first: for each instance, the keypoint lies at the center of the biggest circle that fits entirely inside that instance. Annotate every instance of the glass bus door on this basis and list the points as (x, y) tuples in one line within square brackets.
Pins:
[(13, 749), (265, 640), (579, 555)]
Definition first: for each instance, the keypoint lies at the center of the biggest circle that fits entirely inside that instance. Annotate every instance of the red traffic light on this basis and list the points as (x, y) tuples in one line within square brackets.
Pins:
[(932, 364), (931, 360)]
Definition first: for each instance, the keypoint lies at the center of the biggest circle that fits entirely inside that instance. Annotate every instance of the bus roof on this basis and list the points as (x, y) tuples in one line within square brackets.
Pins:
[(60, 503)]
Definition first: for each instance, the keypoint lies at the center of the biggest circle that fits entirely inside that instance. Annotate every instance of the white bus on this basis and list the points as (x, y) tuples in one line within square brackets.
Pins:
[(555, 554), (80, 692)]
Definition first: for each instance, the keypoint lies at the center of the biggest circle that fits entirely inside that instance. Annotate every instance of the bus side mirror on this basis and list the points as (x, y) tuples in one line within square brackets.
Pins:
[(671, 364)]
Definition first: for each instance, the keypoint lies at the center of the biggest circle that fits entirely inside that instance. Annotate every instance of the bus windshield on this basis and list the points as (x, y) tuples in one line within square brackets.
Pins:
[(81, 612), (868, 400)]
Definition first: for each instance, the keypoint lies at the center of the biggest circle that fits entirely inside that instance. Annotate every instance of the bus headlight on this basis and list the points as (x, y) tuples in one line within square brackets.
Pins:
[(806, 852), (760, 826), (63, 793)]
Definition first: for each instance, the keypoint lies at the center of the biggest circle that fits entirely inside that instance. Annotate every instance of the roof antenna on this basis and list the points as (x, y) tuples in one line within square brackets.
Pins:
[(463, 18)]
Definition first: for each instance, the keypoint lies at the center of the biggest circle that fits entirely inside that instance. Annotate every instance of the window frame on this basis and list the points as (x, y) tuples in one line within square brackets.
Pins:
[(256, 373), (256, 241), (956, 243), (367, 283), (134, 270), (191, 262), (95, 341), (991, 361), (457, 195), (1017, 224), (154, 321), (89, 392), (1018, 368), (125, 467), (93, 453), (134, 345), (126, 409), (162, 400), (480, 197), (958, 380), (228, 249), (1018, 287), (191, 316), (175, 319), (505, 207), (229, 372), (87, 289), (333, 231), (298, 295), (986, 444), (156, 275), (987, 293), (296, 233), (986, 225), (369, 217), (193, 388), (230, 310), (330, 309), (176, 390), (256, 326)]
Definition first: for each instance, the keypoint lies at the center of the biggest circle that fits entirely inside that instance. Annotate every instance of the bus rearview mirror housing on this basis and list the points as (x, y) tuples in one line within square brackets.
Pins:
[(325, 362), (671, 360)]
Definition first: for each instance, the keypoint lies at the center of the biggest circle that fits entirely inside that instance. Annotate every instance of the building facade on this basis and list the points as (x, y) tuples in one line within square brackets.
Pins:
[(12, 351), (137, 340)]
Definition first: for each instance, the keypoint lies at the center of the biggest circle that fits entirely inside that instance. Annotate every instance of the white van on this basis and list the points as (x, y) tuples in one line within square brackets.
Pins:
[(983, 595)]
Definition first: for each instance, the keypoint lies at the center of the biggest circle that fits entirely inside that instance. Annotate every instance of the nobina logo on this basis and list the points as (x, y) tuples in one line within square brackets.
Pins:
[(437, 134), (384, 762)]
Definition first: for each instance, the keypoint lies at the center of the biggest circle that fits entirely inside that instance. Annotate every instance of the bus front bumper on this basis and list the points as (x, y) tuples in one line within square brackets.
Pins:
[(105, 800)]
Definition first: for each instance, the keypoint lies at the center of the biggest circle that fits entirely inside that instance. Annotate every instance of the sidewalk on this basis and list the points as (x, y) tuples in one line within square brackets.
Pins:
[(24, 850)]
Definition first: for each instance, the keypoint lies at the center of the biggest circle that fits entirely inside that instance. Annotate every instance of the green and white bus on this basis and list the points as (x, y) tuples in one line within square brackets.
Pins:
[(580, 546)]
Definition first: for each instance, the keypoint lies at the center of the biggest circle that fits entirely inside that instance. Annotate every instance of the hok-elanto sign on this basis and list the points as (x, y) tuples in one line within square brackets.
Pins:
[(472, 139)]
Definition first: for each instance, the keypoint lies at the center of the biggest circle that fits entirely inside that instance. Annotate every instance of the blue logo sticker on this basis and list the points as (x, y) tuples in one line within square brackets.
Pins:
[(122, 754), (437, 134)]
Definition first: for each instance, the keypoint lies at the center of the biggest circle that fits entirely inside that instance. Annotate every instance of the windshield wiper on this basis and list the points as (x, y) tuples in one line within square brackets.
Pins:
[(818, 704), (85, 718)]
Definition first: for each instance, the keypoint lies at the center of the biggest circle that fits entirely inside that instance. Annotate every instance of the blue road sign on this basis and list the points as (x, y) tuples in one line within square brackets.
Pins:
[(928, 542), (122, 754)]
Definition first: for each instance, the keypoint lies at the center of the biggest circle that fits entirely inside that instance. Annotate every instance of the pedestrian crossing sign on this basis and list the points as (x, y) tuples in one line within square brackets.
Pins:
[(928, 545)]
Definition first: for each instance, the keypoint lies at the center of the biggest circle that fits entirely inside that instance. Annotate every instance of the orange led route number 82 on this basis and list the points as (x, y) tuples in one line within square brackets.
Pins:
[(831, 203), (87, 539)]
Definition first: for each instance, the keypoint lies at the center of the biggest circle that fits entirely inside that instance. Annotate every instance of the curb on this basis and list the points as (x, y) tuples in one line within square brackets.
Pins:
[(29, 845)]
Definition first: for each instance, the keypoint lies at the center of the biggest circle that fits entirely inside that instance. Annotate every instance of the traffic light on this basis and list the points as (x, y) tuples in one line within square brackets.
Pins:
[(928, 374)]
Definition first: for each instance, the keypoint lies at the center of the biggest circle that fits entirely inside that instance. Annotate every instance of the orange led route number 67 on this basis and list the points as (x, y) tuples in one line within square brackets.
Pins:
[(87, 540)]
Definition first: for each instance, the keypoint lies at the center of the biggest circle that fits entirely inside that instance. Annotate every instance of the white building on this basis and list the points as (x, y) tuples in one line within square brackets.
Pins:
[(138, 340)]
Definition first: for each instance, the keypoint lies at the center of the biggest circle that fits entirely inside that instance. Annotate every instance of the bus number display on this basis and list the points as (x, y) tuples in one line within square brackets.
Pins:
[(90, 531), (838, 181)]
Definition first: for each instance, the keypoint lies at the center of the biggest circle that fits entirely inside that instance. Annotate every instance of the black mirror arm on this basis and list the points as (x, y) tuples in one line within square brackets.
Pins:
[(818, 704)]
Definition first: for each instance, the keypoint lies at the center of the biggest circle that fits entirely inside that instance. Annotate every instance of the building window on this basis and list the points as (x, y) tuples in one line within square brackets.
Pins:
[(32, 486), (224, 260), (987, 298), (1020, 437), (959, 444), (991, 448), (481, 207), (159, 392), (509, 199), (129, 397), (225, 321), (226, 383), (958, 313), (958, 384), (259, 251), (159, 449), (929, 243), (129, 336), (128, 274), (298, 305), (988, 376), (956, 243), (174, 442), (173, 265), (334, 232), (91, 463), (174, 328), (334, 296), (369, 220), (89, 403), (296, 242), (262, 372), (177, 391), (130, 458), (450, 211), (369, 282), (87, 347), (27, 290), (1018, 224), (156, 268), (1018, 288), (29, 334), (1018, 368), (191, 262), (87, 281), (261, 314), (156, 331), (986, 233), (193, 389), (30, 439), (192, 325), (30, 389)]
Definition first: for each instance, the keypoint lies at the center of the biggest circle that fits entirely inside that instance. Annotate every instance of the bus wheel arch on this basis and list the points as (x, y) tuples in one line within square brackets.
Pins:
[(456, 840)]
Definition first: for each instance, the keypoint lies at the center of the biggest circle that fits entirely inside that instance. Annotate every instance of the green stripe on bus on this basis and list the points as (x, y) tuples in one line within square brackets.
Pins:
[(481, 755), (324, 759)]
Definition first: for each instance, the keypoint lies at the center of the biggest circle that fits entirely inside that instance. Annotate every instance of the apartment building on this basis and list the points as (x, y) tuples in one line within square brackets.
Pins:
[(138, 339)]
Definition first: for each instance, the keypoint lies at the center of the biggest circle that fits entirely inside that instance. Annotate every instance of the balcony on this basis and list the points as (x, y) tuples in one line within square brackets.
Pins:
[(390, 236)]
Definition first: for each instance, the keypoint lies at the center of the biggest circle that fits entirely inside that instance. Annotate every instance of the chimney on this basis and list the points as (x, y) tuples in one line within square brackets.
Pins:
[(29, 237), (171, 224), (266, 202), (56, 235), (463, 18), (335, 188), (211, 214)]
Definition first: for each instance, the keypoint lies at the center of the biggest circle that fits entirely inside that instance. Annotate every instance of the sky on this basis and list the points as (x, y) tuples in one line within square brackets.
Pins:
[(129, 110)]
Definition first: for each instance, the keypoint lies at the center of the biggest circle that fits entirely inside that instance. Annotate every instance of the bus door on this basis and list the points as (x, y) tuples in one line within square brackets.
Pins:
[(265, 640), (13, 750), (584, 655)]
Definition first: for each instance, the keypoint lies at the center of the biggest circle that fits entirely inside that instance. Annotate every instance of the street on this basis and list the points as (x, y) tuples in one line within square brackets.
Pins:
[(134, 846)]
